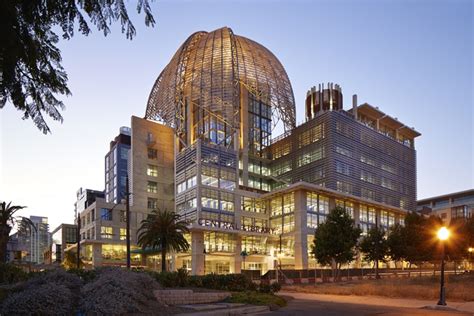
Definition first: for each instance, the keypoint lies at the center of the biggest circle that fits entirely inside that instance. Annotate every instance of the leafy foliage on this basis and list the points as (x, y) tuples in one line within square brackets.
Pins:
[(7, 221), (11, 274), (256, 298), (179, 278), (397, 243), (163, 231), (335, 240), (70, 260), (374, 245), (30, 61)]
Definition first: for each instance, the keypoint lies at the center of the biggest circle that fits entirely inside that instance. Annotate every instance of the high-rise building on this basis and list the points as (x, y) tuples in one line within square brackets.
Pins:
[(241, 189), (116, 166), (206, 148)]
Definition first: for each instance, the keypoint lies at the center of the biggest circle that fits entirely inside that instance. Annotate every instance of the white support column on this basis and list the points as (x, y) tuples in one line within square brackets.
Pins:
[(237, 257), (300, 234), (197, 253), (96, 255)]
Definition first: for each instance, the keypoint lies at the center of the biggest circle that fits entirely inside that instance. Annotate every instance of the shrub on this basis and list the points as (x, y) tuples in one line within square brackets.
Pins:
[(11, 274), (228, 282), (275, 287), (179, 278), (85, 275), (45, 299), (118, 291), (256, 298)]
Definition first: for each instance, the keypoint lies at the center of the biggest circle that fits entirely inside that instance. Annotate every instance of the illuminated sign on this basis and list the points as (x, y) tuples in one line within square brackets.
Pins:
[(231, 226)]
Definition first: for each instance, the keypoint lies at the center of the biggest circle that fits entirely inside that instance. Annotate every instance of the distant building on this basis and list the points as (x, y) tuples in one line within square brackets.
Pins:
[(448, 206), (151, 179), (64, 236), (116, 165), (84, 198), (29, 245)]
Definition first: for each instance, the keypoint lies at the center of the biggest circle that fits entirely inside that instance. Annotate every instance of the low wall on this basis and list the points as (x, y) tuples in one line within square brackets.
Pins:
[(182, 297)]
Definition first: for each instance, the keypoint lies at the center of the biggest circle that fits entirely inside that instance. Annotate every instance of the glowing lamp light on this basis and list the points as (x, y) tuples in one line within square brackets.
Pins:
[(443, 233)]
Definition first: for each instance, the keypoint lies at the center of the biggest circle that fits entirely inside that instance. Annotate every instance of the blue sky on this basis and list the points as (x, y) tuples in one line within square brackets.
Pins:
[(412, 59)]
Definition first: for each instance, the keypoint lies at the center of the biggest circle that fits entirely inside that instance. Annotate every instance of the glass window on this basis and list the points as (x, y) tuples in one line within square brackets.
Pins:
[(363, 213), (123, 234), (191, 182), (311, 202), (106, 214), (210, 181), (106, 232), (152, 171), (323, 204), (371, 215), (152, 187), (311, 220), (342, 168), (276, 206), (152, 204), (343, 151), (152, 153)]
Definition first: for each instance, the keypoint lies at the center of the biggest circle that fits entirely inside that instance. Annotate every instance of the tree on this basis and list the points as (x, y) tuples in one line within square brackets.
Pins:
[(418, 243), (335, 240), (7, 221), (70, 261), (375, 247), (163, 231), (397, 243), (30, 62)]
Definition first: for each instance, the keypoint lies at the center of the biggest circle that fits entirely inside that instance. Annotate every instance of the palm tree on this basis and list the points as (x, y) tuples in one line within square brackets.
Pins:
[(7, 221), (163, 231)]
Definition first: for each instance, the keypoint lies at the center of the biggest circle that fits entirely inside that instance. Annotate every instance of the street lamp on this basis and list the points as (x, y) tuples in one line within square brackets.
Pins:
[(443, 235)]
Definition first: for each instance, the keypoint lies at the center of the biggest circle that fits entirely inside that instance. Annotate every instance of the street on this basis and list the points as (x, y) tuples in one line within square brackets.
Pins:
[(312, 304)]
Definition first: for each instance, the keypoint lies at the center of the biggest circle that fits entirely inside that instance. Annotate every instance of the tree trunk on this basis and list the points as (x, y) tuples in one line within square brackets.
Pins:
[(163, 260), (4, 236)]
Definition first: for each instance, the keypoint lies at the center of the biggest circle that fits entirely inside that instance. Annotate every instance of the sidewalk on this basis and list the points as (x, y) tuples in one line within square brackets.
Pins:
[(379, 301)]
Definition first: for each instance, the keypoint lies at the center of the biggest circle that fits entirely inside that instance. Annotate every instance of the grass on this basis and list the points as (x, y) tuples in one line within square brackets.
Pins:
[(458, 288), (257, 298)]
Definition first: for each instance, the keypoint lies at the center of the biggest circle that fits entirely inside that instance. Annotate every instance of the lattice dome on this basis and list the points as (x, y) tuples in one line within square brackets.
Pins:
[(209, 71)]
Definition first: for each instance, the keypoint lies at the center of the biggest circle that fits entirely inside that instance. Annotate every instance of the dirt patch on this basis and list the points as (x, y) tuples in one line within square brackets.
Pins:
[(458, 288)]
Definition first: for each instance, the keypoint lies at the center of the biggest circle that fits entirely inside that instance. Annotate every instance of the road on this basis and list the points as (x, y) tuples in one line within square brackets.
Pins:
[(331, 305)]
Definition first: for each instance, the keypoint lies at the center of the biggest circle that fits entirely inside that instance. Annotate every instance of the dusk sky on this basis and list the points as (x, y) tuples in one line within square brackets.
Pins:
[(412, 59)]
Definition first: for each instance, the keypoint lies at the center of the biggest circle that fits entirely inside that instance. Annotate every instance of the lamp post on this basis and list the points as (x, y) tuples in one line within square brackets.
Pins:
[(470, 250), (443, 235), (78, 241)]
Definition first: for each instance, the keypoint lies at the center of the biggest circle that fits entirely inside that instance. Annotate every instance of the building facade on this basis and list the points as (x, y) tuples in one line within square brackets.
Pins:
[(62, 237), (449, 206), (206, 148), (150, 160), (224, 95), (116, 167), (30, 244)]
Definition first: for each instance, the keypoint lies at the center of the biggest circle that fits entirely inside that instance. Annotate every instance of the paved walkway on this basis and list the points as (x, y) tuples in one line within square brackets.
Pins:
[(378, 301)]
